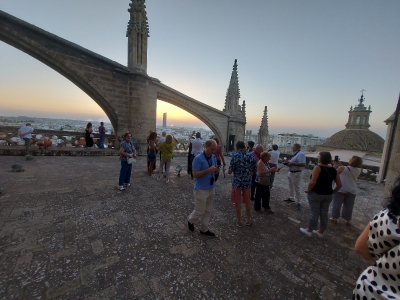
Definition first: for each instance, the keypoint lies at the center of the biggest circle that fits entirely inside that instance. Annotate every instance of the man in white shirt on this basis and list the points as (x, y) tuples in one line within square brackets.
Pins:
[(197, 146), (296, 165), (273, 162), (25, 132)]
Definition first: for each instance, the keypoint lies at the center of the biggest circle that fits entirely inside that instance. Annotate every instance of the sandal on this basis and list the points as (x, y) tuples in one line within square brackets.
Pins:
[(333, 220), (347, 223)]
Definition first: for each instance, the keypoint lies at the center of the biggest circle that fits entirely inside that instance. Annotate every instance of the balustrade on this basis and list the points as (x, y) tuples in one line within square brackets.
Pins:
[(67, 140)]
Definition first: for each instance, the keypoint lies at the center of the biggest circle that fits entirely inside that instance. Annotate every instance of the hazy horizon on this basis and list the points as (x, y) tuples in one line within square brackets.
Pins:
[(182, 124)]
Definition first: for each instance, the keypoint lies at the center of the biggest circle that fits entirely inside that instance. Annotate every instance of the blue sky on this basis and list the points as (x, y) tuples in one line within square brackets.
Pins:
[(306, 60)]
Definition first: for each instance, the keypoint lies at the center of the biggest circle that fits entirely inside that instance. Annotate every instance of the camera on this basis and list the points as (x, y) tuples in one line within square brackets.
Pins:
[(336, 158), (285, 162)]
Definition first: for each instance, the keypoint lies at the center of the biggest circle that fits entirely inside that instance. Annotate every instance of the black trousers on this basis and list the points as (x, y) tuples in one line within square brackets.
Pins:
[(253, 186), (262, 197), (217, 175), (272, 174)]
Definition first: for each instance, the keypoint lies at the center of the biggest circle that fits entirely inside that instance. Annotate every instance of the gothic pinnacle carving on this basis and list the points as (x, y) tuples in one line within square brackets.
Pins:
[(233, 93), (263, 133), (137, 11)]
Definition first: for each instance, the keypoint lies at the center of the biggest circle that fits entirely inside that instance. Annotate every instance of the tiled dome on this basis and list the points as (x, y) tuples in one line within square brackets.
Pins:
[(356, 139)]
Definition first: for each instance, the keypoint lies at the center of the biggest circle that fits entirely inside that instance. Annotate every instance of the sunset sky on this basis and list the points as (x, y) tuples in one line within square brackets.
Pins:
[(307, 60)]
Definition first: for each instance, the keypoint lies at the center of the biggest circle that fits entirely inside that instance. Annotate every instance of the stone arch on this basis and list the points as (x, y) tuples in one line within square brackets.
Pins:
[(27, 38), (216, 120)]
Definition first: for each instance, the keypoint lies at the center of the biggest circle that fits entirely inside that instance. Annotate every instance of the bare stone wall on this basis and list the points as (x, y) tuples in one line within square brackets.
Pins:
[(393, 171)]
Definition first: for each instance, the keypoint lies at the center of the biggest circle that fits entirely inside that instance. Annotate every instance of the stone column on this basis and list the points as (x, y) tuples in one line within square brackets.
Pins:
[(141, 109), (393, 163)]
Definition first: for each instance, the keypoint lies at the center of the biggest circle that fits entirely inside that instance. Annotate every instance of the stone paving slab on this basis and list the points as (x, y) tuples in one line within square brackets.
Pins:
[(66, 232)]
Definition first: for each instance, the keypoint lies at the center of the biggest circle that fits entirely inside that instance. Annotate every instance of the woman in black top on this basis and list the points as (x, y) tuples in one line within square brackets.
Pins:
[(320, 194), (89, 135)]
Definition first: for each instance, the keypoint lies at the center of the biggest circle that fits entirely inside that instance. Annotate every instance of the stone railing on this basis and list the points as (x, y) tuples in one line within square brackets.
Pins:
[(60, 138), (64, 142), (368, 173)]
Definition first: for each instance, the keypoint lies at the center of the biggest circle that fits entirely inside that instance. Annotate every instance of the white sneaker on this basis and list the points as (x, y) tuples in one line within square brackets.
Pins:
[(167, 181), (121, 188), (307, 233), (320, 235)]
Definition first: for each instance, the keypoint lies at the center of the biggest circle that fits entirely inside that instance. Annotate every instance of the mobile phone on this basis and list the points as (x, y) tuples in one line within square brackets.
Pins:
[(336, 158)]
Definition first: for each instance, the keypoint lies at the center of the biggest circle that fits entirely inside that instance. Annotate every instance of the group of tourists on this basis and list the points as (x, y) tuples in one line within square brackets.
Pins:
[(155, 144), (89, 136), (380, 240), (253, 173)]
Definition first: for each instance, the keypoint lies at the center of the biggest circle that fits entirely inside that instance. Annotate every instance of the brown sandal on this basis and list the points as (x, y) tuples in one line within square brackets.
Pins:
[(347, 223), (333, 220)]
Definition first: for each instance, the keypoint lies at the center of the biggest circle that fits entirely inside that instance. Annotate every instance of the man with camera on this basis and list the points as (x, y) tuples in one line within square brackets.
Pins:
[(204, 168), (296, 165)]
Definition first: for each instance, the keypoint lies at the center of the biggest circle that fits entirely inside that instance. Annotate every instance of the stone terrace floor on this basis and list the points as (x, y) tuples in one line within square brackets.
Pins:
[(66, 232)]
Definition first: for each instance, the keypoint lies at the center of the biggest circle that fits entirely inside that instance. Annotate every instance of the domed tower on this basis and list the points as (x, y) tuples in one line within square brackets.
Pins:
[(356, 136), (359, 116)]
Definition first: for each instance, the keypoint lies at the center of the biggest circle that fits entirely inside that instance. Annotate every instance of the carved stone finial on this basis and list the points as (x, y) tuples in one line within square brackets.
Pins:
[(233, 93), (137, 11)]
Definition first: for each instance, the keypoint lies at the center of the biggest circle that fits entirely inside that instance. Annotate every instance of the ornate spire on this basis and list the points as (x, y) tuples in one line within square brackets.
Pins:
[(137, 33), (361, 100), (263, 133), (138, 19), (233, 93)]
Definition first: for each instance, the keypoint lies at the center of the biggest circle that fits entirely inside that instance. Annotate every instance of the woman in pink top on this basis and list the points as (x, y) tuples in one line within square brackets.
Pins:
[(219, 156)]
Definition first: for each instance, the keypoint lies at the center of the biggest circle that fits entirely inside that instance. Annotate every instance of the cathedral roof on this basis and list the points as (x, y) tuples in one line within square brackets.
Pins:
[(356, 139)]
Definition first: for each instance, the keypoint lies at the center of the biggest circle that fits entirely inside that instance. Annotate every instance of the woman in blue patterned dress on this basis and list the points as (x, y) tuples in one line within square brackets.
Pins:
[(126, 150)]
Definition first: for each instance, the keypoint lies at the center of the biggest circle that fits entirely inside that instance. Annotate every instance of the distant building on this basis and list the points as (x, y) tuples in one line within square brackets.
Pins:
[(356, 136), (285, 141), (248, 136), (164, 120)]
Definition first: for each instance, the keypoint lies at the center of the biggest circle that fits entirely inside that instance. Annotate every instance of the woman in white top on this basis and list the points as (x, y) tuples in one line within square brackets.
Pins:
[(347, 194)]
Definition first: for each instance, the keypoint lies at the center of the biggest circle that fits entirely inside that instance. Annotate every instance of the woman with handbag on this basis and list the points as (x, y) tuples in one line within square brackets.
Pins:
[(346, 196), (166, 149), (319, 194), (263, 180), (126, 154), (89, 135)]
